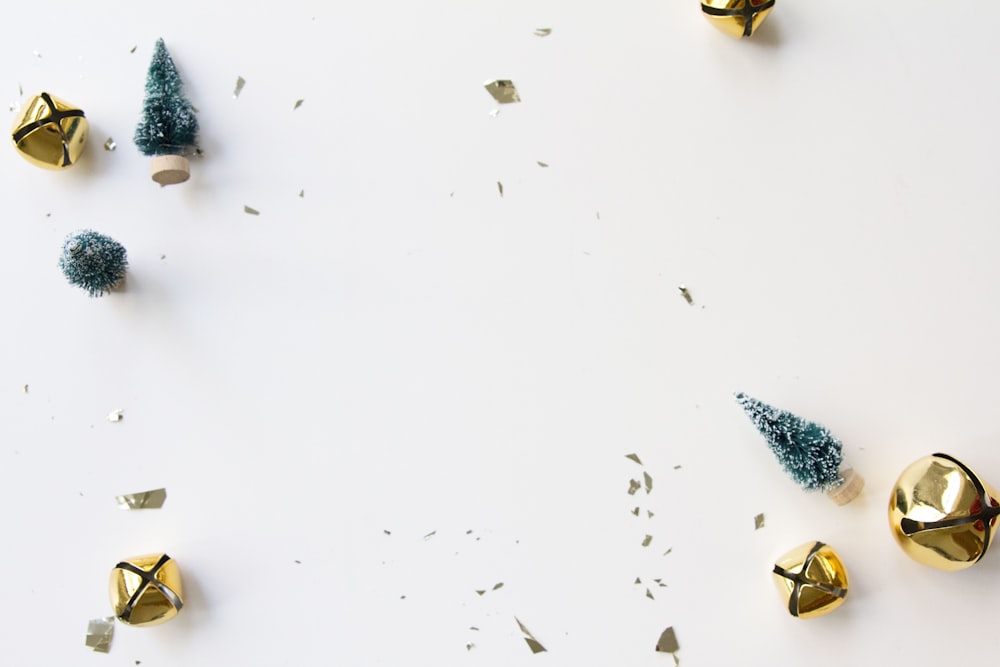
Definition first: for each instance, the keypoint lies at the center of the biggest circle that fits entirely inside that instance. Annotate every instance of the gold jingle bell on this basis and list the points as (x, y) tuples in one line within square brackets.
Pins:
[(942, 513), (811, 579), (51, 132), (146, 590), (737, 18)]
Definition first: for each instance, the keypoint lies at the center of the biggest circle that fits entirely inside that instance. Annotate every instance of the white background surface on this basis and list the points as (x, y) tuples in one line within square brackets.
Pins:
[(402, 349)]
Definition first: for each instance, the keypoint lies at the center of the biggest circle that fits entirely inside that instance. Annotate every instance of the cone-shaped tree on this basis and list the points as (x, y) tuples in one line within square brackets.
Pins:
[(807, 451), (93, 261), (168, 126)]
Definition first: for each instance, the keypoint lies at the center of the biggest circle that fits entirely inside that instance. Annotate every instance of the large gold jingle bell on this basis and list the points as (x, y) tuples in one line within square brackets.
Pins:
[(942, 513), (737, 18), (146, 590), (811, 579), (51, 133)]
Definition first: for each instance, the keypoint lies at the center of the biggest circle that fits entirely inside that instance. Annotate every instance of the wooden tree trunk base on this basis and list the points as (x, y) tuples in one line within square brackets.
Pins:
[(170, 169), (849, 490)]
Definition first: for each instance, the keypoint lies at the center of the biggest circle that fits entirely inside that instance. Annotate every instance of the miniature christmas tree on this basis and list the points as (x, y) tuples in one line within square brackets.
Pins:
[(169, 127), (807, 451), (93, 261)]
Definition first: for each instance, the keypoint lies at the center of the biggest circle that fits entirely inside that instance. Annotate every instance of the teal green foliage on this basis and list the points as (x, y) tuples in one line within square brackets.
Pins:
[(806, 450), (168, 125), (93, 261)]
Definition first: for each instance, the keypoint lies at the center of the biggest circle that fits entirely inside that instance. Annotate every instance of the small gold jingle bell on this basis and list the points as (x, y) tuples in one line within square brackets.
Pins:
[(942, 513), (146, 590), (811, 580), (737, 18), (51, 133)]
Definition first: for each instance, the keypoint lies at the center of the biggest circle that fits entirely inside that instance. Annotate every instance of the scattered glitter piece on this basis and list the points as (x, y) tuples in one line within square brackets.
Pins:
[(633, 486), (649, 482), (24, 389), (132, 50), (650, 514), (100, 632), (480, 592), (494, 113), (298, 103), (298, 562), (636, 511), (660, 583), (498, 586), (474, 628), (20, 90), (145, 500), (633, 457), (110, 144), (541, 164), (543, 32), (250, 211), (387, 532), (646, 541), (649, 594), (677, 467), (668, 641), (116, 415), (533, 644), (240, 82), (686, 294), (500, 188), (430, 535), (469, 646), (36, 53), (302, 193), (667, 552), (503, 91), (637, 580), (758, 522), (163, 256)]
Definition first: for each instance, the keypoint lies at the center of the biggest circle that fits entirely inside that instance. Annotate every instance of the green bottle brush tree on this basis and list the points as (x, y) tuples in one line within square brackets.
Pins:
[(168, 129), (93, 261), (806, 450)]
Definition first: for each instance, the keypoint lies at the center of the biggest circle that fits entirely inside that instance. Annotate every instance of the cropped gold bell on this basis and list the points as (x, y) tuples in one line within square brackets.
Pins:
[(737, 18), (146, 590), (811, 580), (942, 513), (51, 133)]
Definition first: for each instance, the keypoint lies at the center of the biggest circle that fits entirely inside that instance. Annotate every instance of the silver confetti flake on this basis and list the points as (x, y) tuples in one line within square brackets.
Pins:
[(144, 500), (116, 415), (110, 145), (100, 632), (686, 294), (500, 188), (542, 32), (240, 82), (503, 91)]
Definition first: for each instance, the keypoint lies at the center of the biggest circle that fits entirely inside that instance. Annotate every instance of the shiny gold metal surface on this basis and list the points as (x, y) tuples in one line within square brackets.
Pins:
[(737, 18), (146, 590), (942, 514), (51, 133), (811, 580)]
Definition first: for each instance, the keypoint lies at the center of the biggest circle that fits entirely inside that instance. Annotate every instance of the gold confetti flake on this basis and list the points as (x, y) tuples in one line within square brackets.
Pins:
[(469, 646), (24, 389), (633, 457), (649, 594), (498, 586), (542, 164), (667, 643), (677, 467), (636, 511), (543, 32), (298, 103), (480, 592), (503, 91), (533, 644), (667, 552), (250, 210), (649, 514), (649, 482), (110, 144), (240, 82), (758, 522), (134, 47), (686, 294), (646, 541), (116, 415), (500, 188), (145, 500), (100, 632), (633, 486), (637, 581)]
